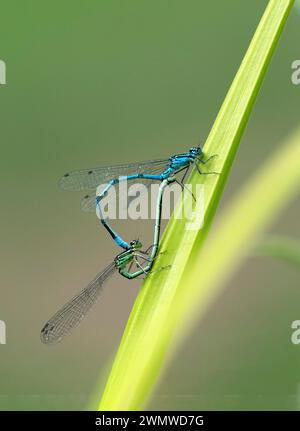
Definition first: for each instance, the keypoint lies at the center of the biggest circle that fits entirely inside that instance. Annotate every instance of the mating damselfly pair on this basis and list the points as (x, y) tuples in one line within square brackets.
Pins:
[(163, 171)]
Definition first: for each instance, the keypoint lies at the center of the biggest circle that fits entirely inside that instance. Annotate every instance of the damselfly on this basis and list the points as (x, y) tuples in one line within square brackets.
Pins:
[(74, 311), (145, 173)]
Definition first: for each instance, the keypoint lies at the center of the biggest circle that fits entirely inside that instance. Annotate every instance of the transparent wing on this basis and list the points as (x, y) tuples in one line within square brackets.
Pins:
[(74, 311), (89, 179), (88, 202)]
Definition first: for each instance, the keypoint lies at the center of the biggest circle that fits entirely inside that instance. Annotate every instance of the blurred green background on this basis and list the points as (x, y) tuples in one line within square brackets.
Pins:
[(101, 82)]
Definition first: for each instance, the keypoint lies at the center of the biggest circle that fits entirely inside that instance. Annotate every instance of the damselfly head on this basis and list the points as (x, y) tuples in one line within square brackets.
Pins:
[(135, 244), (196, 151)]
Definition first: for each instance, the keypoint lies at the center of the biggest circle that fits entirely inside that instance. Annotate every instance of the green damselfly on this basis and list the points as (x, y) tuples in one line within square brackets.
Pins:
[(70, 315)]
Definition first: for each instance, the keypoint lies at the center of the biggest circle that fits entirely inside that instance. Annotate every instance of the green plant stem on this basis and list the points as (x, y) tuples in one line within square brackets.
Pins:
[(147, 338)]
